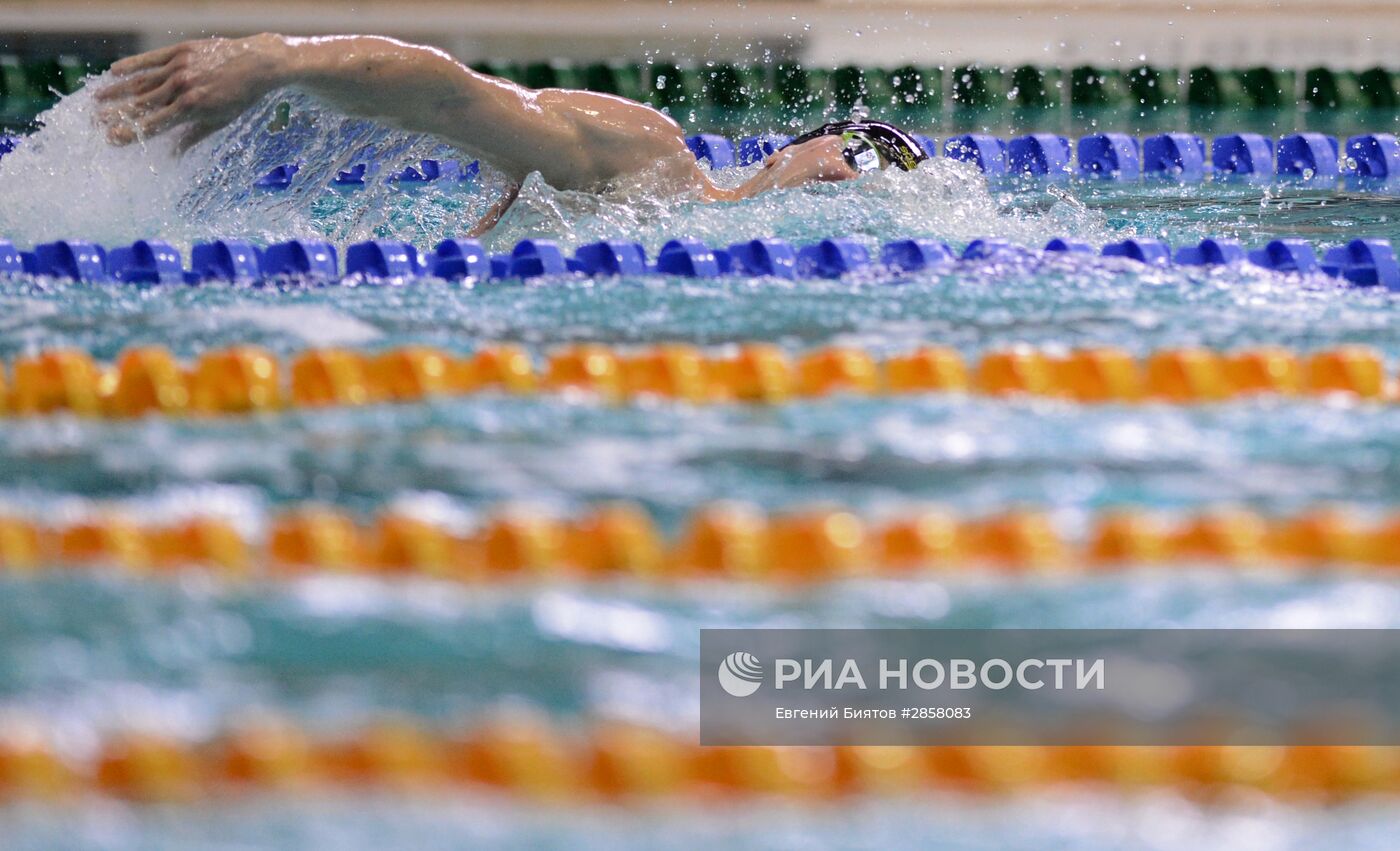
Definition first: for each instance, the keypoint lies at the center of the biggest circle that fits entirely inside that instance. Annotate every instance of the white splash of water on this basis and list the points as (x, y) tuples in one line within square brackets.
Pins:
[(315, 325), (66, 182), (943, 199)]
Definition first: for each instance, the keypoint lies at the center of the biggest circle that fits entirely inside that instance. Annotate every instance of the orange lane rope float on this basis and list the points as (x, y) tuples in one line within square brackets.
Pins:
[(247, 379), (623, 763), (719, 541)]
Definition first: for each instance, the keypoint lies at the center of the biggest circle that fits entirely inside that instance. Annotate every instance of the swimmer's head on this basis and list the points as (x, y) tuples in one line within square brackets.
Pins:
[(868, 145), (818, 160), (842, 150)]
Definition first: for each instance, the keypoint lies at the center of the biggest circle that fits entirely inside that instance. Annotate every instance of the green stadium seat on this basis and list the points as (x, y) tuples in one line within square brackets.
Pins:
[(1265, 88), (1378, 88), (792, 83), (1324, 88), (1213, 89), (1097, 87), (912, 86), (977, 87), (1033, 87), (668, 84), (848, 85), (14, 82), (724, 86), (1149, 86)]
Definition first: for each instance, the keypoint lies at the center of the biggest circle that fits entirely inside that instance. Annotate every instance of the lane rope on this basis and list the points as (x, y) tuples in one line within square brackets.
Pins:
[(632, 765), (1363, 163), (1361, 263), (721, 541), (244, 380)]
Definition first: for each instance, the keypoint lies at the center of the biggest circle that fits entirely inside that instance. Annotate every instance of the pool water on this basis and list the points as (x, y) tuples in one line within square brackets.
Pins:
[(89, 653)]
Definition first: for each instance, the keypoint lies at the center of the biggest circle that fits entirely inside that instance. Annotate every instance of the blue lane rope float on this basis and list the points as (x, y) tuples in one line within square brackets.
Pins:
[(912, 255), (753, 149), (1302, 154), (1374, 155), (1211, 252), (146, 262), (1109, 155), (1149, 251), (713, 149), (231, 260), (1364, 263), (988, 153), (356, 175), (1242, 154), (928, 143), (362, 174), (427, 171), (1359, 263), (279, 179), (1040, 154), (1286, 255), (989, 249), (1178, 155), (1069, 246)]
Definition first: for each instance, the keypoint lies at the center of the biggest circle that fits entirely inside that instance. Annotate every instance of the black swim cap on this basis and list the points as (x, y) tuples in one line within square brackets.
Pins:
[(894, 145)]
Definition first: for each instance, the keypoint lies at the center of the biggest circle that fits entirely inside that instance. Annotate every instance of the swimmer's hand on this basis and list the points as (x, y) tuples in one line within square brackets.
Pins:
[(198, 87)]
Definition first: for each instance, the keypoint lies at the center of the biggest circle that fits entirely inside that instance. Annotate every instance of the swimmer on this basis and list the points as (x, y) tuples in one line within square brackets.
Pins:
[(575, 139)]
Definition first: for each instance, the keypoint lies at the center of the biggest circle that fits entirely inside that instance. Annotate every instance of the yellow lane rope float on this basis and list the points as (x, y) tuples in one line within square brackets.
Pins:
[(719, 541), (630, 764), (247, 379)]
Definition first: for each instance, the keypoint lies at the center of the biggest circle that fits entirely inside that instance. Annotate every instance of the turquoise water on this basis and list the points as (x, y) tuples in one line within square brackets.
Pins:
[(1090, 823), (329, 652), (88, 653)]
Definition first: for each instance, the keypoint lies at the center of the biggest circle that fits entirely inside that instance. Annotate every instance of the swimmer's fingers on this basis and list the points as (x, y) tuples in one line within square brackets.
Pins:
[(143, 94), (137, 84), (141, 75), (163, 95), (127, 129), (118, 122), (149, 59), (161, 120), (121, 130), (151, 116)]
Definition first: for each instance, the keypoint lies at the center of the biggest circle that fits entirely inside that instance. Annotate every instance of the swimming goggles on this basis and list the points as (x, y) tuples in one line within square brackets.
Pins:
[(870, 145)]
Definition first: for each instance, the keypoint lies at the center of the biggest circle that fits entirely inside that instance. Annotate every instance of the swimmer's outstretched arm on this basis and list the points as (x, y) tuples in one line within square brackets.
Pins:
[(575, 139)]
